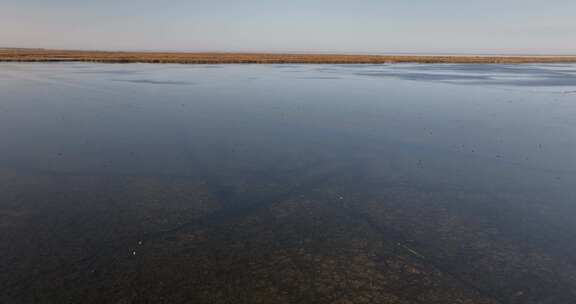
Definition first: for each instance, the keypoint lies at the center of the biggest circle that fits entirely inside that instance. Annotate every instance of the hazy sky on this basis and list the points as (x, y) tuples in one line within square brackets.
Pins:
[(498, 26)]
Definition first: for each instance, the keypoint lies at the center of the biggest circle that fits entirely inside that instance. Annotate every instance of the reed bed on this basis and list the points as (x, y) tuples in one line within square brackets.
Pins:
[(41, 55)]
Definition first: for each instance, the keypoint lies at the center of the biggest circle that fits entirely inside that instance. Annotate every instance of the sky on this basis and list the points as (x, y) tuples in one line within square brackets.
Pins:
[(344, 26)]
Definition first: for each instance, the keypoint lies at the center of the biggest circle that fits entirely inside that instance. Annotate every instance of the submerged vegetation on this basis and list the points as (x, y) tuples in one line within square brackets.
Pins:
[(42, 55)]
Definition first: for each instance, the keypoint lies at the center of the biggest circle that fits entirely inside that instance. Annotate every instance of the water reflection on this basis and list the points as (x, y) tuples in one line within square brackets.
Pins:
[(481, 74), (149, 81)]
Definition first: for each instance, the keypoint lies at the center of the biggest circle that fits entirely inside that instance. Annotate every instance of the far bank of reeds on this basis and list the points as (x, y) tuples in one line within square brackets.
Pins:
[(41, 55)]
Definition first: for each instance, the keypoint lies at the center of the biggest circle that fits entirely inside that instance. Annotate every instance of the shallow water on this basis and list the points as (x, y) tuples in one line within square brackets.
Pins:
[(287, 183)]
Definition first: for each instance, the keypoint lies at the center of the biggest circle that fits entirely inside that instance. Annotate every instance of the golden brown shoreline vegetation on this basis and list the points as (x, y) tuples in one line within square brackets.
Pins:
[(42, 55)]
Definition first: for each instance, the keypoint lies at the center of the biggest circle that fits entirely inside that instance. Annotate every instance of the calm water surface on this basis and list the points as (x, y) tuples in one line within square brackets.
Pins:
[(287, 183)]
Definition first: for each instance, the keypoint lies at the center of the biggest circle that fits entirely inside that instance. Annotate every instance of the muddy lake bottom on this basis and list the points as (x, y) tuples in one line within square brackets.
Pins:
[(403, 183)]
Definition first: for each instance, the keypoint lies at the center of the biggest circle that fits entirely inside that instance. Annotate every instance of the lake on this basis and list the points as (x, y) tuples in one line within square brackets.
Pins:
[(405, 183)]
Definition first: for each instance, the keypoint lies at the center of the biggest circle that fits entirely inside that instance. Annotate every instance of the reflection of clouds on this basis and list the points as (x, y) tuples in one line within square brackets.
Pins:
[(287, 66), (553, 75), (318, 77), (545, 82), (422, 76), (111, 72), (148, 81), (211, 66)]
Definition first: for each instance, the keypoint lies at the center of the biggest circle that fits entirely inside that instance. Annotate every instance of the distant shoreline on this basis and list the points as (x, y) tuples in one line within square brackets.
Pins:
[(42, 55)]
